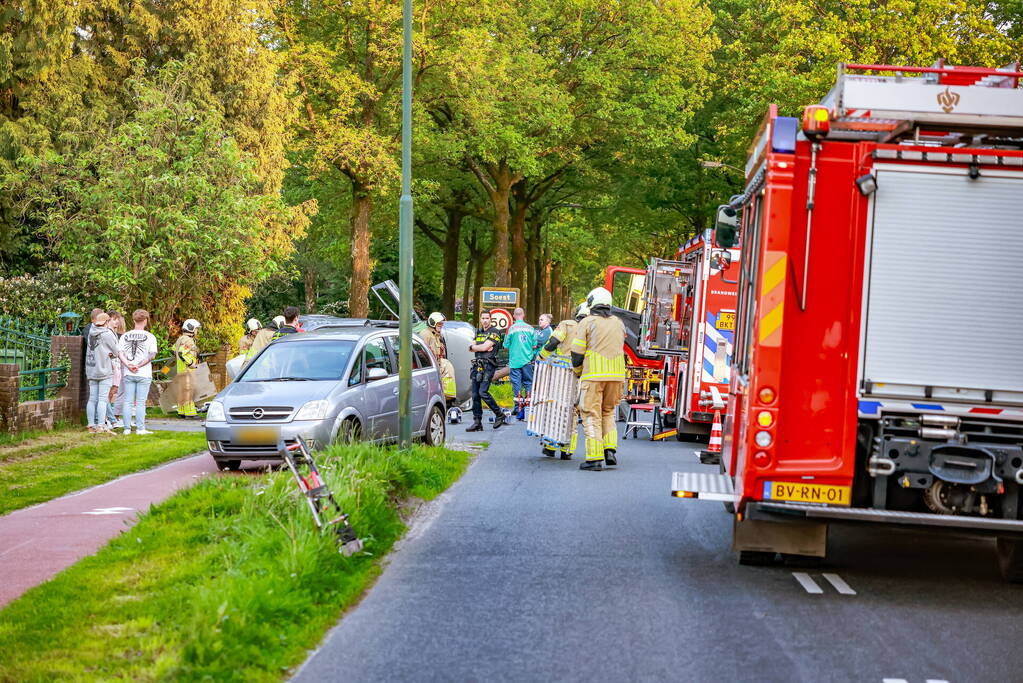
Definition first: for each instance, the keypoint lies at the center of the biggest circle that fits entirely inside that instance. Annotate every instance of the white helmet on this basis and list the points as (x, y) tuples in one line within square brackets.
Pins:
[(435, 319), (599, 297), (582, 310), (190, 326), (278, 321), (252, 325)]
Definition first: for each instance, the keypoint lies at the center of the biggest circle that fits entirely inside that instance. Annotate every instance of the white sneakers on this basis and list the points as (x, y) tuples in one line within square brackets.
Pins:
[(143, 431)]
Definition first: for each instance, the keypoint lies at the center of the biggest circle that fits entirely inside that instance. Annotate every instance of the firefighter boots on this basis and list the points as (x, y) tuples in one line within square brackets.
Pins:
[(566, 455), (592, 465), (609, 457), (548, 452)]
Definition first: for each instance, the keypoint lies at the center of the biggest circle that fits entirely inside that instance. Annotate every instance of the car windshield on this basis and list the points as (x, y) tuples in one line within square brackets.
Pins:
[(298, 361)]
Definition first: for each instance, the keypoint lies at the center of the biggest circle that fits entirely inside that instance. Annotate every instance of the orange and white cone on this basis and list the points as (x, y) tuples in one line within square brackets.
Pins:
[(714, 446)]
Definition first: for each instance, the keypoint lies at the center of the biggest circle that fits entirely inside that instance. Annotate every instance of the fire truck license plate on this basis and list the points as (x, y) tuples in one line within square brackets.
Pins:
[(726, 321), (807, 493)]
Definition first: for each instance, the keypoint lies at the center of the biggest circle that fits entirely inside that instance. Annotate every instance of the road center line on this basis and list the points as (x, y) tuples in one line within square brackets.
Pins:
[(840, 585), (936, 680), (894, 680), (808, 584)]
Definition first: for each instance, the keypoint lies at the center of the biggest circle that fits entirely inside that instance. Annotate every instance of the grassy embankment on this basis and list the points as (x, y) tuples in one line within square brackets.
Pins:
[(40, 466), (228, 580)]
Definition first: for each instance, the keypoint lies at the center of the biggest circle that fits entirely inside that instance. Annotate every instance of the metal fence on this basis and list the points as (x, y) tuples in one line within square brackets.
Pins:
[(27, 345)]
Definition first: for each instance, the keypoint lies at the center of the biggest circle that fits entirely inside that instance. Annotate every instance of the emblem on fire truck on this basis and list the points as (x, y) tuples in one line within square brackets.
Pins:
[(948, 100)]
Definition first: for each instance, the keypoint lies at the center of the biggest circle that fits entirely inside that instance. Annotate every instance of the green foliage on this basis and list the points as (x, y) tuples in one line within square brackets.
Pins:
[(50, 465), (41, 298), (226, 581), (164, 208)]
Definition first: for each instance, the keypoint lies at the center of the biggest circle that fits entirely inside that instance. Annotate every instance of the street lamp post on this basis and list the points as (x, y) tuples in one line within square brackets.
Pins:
[(405, 238)]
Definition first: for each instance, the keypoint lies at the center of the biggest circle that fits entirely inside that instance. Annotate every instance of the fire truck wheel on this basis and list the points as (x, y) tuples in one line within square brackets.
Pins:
[(1010, 559), (755, 558)]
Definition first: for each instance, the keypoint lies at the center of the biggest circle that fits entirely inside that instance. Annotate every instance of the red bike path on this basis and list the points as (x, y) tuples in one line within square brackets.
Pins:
[(38, 542)]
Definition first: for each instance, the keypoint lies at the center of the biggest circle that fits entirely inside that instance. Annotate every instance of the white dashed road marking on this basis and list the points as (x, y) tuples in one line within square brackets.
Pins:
[(107, 511), (903, 680), (808, 584), (840, 585)]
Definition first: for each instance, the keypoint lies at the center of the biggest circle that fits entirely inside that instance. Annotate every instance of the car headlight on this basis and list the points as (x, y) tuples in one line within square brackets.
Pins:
[(215, 413), (313, 410)]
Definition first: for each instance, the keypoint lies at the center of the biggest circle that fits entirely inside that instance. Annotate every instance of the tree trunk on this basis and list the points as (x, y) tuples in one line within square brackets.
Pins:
[(452, 241), (466, 286), (481, 266), (309, 279), (358, 292), (555, 287), (518, 235), (497, 180)]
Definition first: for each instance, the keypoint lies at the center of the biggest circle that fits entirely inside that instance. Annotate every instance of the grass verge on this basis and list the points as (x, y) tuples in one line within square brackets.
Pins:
[(47, 465), (228, 580)]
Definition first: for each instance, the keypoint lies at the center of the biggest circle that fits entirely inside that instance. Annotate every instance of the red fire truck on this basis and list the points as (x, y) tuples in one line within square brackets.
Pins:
[(681, 317), (878, 377)]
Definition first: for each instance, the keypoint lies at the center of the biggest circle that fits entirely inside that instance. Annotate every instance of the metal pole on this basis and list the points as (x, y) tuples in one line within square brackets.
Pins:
[(405, 238)]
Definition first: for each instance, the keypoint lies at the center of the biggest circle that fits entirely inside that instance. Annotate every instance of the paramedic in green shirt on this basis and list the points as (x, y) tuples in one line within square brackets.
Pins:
[(520, 340)]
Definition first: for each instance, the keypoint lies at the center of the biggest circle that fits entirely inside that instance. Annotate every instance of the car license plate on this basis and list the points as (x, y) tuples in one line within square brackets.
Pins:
[(807, 493), (726, 321), (256, 436)]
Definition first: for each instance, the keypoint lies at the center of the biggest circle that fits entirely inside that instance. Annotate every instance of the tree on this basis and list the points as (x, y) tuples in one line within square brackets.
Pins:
[(567, 77), (164, 208)]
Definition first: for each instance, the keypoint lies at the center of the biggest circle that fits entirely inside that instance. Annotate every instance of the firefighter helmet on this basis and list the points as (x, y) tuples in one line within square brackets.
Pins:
[(252, 325), (435, 319), (582, 310), (599, 297), (278, 321), (190, 326)]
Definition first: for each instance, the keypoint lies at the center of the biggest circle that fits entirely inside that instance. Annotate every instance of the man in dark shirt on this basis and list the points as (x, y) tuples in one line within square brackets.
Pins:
[(290, 325), (485, 345)]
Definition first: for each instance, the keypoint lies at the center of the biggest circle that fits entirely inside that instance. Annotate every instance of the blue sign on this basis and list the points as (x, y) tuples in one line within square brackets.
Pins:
[(499, 297)]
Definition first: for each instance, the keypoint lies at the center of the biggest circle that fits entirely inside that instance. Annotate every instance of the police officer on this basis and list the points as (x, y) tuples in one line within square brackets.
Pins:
[(485, 345), (186, 352), (599, 360), (558, 350)]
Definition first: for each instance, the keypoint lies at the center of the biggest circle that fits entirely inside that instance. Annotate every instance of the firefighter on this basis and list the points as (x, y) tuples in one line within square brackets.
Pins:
[(252, 328), (435, 342), (599, 361), (186, 352), (485, 345), (558, 350), (289, 324), (263, 336)]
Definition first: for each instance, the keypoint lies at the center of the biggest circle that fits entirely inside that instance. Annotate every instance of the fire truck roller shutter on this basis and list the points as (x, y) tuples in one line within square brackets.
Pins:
[(944, 281)]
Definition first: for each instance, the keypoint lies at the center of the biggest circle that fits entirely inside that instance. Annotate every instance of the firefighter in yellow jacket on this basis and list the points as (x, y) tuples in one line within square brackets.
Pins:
[(431, 334), (186, 352), (599, 360), (558, 350)]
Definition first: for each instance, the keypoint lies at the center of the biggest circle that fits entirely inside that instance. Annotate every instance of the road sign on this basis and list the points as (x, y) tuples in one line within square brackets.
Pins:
[(498, 297), (501, 318)]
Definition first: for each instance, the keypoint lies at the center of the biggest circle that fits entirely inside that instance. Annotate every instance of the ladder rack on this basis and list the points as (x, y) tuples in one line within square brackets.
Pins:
[(867, 105)]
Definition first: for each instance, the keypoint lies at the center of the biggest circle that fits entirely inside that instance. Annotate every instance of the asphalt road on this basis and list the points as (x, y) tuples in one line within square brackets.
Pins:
[(530, 570)]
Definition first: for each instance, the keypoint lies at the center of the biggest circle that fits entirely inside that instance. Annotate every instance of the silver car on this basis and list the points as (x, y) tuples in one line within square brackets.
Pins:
[(334, 383)]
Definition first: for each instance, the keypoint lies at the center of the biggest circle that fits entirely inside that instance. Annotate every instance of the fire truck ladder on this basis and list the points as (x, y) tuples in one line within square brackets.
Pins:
[(318, 495), (967, 100)]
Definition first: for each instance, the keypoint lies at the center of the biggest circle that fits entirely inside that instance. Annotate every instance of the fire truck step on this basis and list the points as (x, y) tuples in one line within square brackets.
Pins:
[(703, 486), (1006, 526)]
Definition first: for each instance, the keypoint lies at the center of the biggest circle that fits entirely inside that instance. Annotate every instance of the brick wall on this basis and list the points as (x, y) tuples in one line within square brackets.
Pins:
[(16, 416)]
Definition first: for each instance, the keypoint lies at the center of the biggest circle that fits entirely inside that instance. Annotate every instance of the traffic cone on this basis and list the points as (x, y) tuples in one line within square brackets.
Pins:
[(714, 446)]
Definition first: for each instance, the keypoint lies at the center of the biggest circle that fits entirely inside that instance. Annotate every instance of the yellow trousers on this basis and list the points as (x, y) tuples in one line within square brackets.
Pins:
[(597, 403)]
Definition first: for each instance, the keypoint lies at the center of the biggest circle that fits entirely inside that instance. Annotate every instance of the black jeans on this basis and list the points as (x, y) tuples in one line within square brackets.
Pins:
[(482, 375)]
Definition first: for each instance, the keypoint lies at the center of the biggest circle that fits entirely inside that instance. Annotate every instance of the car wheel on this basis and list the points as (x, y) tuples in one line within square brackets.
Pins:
[(436, 429), (221, 464), (233, 465), (350, 431)]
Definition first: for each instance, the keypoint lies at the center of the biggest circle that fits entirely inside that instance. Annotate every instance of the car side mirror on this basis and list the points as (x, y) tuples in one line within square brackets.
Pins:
[(375, 374)]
